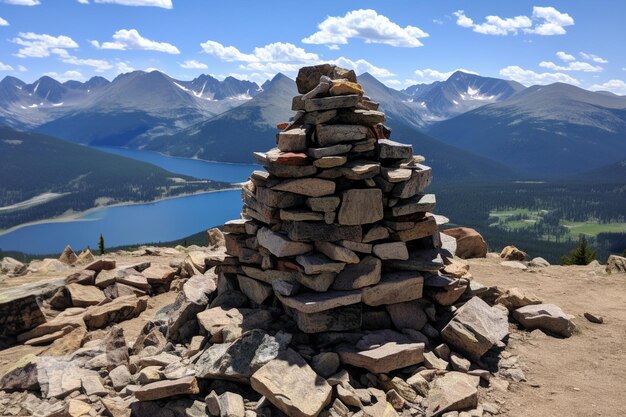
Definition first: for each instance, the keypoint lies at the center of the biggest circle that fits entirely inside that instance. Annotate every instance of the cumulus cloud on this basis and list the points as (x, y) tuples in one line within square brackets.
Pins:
[(23, 2), (272, 58), (368, 25), (529, 77), (123, 67), (614, 86), (571, 66), (360, 66), (67, 76), (3, 22), (594, 58), (22, 68), (193, 64), (565, 56), (36, 45), (125, 39), (429, 75), (544, 21), (5, 67), (165, 4)]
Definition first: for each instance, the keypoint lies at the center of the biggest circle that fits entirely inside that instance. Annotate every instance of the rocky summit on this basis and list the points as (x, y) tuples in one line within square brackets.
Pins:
[(334, 294)]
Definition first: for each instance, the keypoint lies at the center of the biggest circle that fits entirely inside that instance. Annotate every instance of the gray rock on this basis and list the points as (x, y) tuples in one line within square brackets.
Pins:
[(301, 231), (394, 287), (190, 301), (548, 317), (388, 149), (360, 206), (366, 272), (255, 290), (280, 245), (331, 134), (317, 263), (475, 328)]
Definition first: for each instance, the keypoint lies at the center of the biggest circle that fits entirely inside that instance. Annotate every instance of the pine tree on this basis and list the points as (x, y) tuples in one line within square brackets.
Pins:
[(101, 244), (582, 254)]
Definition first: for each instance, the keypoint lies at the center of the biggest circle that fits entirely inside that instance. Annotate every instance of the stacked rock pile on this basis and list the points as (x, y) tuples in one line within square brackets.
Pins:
[(338, 226)]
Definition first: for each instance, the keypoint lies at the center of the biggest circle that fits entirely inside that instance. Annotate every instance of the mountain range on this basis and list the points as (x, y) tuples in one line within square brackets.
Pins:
[(467, 126)]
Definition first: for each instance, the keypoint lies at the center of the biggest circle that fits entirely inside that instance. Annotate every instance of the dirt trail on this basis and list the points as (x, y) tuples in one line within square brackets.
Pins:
[(584, 375)]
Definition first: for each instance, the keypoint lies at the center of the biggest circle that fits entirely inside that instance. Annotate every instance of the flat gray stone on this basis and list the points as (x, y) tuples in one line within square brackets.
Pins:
[(360, 206), (394, 287), (280, 245)]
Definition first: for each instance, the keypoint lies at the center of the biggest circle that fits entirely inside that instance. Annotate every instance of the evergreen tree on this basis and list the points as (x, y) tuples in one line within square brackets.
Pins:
[(582, 254), (101, 244)]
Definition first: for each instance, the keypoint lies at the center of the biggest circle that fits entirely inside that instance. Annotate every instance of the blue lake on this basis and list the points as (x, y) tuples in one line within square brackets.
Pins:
[(154, 222)]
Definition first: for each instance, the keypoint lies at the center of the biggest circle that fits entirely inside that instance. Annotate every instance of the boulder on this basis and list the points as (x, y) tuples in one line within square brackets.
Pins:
[(309, 77), (68, 256), (84, 295), (292, 386), (616, 264), (475, 328), (218, 319), (190, 301), (469, 243), (511, 253), (455, 391), (238, 360), (382, 351), (118, 310), (168, 388), (12, 267), (548, 317), (215, 237), (515, 298)]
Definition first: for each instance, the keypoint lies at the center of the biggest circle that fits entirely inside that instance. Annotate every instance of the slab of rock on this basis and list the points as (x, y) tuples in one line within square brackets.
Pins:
[(338, 319), (302, 231), (514, 264), (514, 298), (333, 150), (354, 276), (255, 290), (361, 206), (168, 388), (420, 203), (317, 263), (394, 287), (238, 360), (317, 302), (279, 245), (21, 375), (118, 310), (103, 264), (292, 386), (388, 149), (320, 282), (84, 295), (85, 277), (337, 253), (391, 250), (120, 377), (329, 103), (331, 134), (12, 267), (310, 187), (215, 320), (455, 391), (420, 179), (382, 352), (469, 243), (616, 264), (476, 328), (293, 140), (309, 77), (190, 301), (548, 317), (407, 315)]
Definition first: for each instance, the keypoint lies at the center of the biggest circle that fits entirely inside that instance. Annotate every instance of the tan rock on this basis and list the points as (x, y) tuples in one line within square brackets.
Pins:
[(84, 295), (292, 386), (470, 243), (310, 187), (163, 389), (360, 206), (394, 287), (511, 253), (454, 391)]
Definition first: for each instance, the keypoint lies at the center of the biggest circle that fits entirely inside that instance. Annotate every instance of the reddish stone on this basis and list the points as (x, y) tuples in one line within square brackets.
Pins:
[(292, 158), (282, 126)]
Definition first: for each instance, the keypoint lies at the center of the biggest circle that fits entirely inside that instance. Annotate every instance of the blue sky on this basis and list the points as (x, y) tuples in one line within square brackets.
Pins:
[(400, 42)]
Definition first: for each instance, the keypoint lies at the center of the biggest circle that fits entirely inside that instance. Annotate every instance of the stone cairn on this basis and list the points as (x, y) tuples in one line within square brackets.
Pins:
[(338, 226)]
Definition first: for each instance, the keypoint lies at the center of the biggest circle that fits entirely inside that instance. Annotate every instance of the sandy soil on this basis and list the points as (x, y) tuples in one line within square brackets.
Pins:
[(584, 375)]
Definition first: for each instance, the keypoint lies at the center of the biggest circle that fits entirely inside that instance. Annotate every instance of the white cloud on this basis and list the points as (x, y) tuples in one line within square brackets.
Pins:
[(271, 58), (438, 21), (99, 64), (165, 4), (565, 56), (67, 76), (23, 2), (614, 86), (125, 39), (529, 77), (22, 68), (123, 68), (193, 64), (544, 21), (5, 67), (368, 25), (83, 1), (360, 66), (571, 66), (429, 75), (41, 45), (256, 77), (3, 22), (594, 58)]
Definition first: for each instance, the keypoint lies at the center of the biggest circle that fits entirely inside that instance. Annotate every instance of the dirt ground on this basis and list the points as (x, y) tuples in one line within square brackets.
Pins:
[(582, 376)]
